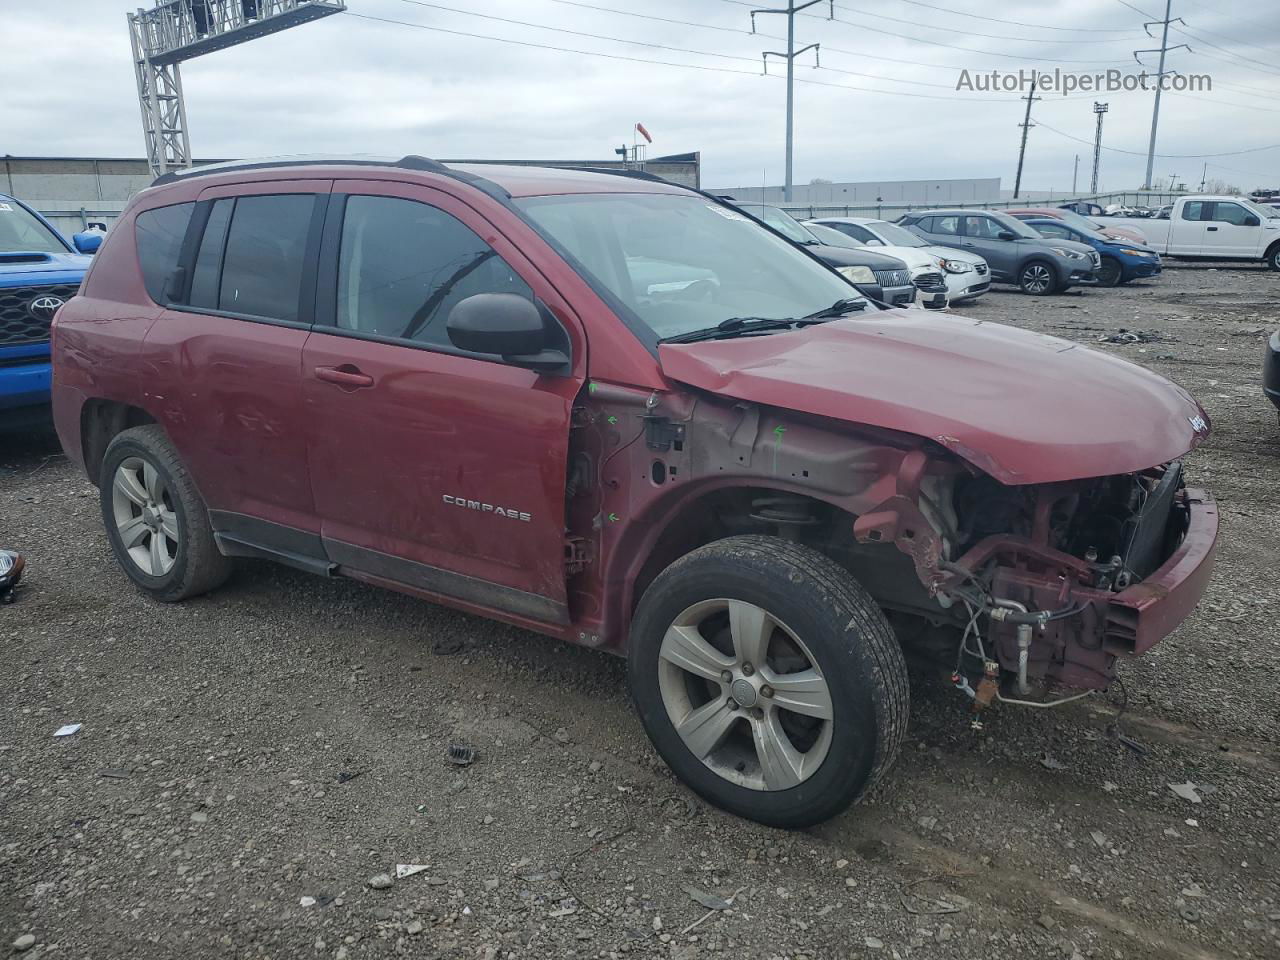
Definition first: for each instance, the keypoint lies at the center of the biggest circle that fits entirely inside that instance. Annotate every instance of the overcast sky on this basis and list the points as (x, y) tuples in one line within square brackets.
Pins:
[(351, 85)]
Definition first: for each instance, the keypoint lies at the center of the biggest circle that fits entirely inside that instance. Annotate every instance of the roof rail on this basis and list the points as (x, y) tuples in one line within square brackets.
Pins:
[(407, 162)]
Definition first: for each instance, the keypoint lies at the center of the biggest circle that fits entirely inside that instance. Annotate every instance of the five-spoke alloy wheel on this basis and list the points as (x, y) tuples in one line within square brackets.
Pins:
[(156, 521), (768, 679)]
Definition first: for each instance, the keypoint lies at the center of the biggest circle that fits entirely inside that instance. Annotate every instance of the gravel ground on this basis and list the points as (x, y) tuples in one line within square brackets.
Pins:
[(252, 761)]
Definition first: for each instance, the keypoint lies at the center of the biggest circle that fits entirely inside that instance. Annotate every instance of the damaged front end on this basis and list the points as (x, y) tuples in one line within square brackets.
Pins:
[(1051, 583)]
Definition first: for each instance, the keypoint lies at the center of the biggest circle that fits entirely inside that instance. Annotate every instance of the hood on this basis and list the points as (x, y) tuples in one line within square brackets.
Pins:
[(18, 265), (1124, 234), (954, 253), (1021, 406), (913, 257), (1075, 245), (854, 257)]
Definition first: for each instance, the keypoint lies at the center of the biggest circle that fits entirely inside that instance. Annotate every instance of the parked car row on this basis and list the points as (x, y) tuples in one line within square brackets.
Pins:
[(626, 414)]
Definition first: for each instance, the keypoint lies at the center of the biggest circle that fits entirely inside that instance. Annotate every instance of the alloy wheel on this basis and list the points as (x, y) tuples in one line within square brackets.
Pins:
[(745, 694), (1036, 278), (145, 519)]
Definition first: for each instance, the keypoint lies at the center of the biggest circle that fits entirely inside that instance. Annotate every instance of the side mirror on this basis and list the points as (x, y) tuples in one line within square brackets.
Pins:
[(1006, 235), (87, 242), (874, 242), (510, 326), (1251, 221)]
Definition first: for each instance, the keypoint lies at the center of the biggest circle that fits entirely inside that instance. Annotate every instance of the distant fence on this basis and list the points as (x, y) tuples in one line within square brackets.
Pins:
[(891, 211)]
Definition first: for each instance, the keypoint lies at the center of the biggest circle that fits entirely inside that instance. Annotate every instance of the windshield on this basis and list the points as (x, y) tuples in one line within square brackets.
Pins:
[(780, 220), (680, 262), (833, 238), (1263, 211), (20, 232), (896, 236)]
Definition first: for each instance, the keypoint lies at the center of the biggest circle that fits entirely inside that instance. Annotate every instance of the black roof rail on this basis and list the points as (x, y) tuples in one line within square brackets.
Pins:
[(407, 162)]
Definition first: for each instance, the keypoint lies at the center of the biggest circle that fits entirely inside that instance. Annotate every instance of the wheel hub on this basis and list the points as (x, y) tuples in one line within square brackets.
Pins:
[(744, 692)]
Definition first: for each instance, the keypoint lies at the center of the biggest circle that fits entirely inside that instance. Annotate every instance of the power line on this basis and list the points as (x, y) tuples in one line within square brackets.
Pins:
[(950, 46), (1163, 51), (1162, 156), (973, 33), (1016, 23), (1201, 53), (661, 46), (663, 63)]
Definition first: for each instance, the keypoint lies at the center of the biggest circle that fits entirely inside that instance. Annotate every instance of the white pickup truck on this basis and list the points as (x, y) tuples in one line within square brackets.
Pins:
[(1212, 228)]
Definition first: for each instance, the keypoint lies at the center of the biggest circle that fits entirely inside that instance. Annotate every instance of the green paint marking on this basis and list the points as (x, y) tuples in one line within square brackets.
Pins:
[(591, 387), (613, 518), (778, 431), (613, 419)]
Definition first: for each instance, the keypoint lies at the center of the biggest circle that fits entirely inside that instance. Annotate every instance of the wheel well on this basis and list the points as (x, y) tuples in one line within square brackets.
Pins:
[(1271, 250), (100, 421)]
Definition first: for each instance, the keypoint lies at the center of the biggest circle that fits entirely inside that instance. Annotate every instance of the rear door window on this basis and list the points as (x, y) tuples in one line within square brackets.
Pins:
[(1054, 230), (265, 254), (403, 265), (207, 272), (948, 226), (159, 234), (1194, 210)]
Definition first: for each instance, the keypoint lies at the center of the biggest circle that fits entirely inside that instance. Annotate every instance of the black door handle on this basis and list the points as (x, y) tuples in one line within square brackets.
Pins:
[(1212, 229)]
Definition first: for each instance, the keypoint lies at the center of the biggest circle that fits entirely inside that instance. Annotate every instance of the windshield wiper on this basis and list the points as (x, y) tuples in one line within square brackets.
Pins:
[(732, 327), (837, 309)]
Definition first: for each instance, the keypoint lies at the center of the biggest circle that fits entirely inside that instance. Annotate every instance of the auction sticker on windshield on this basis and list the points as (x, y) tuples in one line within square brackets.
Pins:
[(727, 213)]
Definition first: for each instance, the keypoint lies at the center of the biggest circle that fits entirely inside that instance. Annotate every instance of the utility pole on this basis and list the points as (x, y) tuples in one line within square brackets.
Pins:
[(1075, 172), (1204, 175), (1026, 125), (1100, 110), (790, 11), (1162, 50)]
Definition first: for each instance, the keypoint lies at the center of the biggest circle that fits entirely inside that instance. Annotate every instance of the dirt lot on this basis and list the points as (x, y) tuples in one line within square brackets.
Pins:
[(250, 760)]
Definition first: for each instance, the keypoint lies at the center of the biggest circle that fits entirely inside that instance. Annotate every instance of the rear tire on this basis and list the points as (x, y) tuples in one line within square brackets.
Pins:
[(725, 724), (1037, 279), (1273, 257), (1110, 273), (156, 521)]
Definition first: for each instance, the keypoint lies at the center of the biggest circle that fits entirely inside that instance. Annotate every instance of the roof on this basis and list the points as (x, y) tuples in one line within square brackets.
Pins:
[(512, 179)]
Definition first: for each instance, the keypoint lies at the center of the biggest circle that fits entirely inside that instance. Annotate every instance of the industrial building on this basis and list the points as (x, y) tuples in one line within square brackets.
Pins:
[(862, 193), (76, 191)]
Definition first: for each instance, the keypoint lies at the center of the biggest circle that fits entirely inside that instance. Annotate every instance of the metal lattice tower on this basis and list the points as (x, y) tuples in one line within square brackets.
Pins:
[(1100, 111), (178, 30)]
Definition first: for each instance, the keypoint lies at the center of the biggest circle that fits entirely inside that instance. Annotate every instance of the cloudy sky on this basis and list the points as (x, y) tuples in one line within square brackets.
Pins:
[(883, 105)]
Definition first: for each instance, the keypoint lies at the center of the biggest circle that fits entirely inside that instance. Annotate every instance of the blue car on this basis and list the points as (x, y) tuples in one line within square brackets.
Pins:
[(39, 270), (1122, 261)]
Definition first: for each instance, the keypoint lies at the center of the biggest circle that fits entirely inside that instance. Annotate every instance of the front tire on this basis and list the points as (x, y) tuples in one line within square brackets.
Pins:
[(1273, 258), (1037, 279), (156, 521), (768, 680), (1110, 273)]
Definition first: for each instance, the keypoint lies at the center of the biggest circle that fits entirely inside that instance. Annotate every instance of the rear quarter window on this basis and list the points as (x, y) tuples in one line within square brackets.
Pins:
[(159, 234)]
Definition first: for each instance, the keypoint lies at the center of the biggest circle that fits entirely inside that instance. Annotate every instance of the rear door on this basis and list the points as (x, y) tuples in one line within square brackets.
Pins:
[(1187, 231), (225, 358), (430, 466)]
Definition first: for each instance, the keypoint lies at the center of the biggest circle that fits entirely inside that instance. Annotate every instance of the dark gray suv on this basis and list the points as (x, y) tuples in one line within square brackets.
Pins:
[(1015, 252)]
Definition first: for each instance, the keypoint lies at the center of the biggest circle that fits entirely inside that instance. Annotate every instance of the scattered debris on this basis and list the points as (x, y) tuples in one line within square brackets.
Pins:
[(199, 817), (1136, 336), (380, 881), (68, 729), (447, 646), (710, 912), (1110, 787), (1191, 823), (307, 902), (345, 776), (461, 755), (1049, 763), (1187, 791), (562, 735), (931, 906), (24, 942), (114, 774), (874, 943), (409, 869), (11, 567), (708, 900), (1099, 838), (1189, 914), (1046, 921)]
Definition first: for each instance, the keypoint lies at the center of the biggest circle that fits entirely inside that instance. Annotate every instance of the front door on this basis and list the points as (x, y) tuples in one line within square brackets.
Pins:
[(1232, 231), (430, 466), (982, 236)]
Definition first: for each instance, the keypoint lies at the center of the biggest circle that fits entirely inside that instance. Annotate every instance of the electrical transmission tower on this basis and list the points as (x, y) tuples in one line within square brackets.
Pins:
[(1160, 74), (1100, 111), (1026, 125), (178, 30), (791, 9)]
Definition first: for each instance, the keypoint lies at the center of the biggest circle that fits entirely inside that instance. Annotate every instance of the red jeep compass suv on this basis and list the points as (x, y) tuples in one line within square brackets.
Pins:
[(617, 411)]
